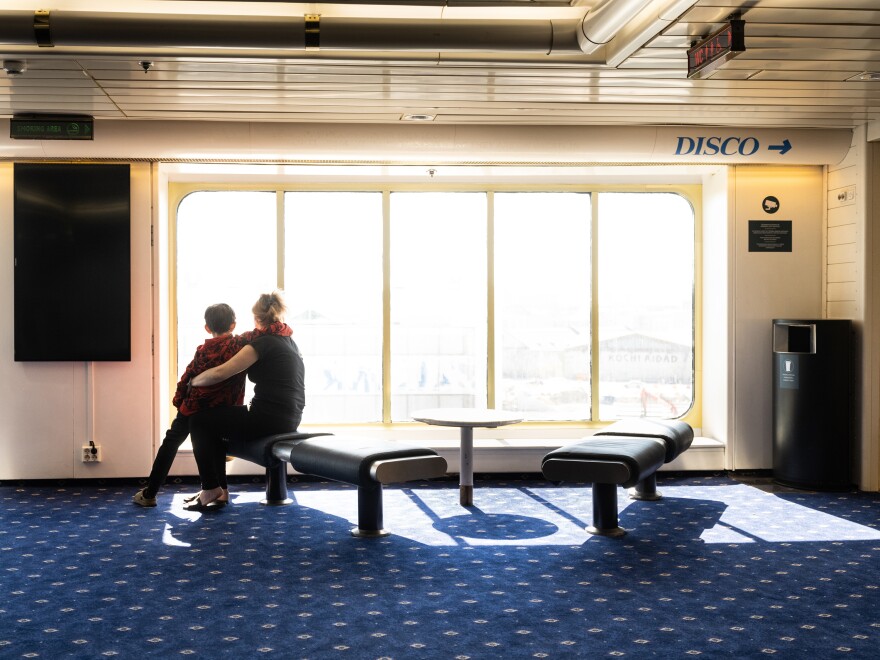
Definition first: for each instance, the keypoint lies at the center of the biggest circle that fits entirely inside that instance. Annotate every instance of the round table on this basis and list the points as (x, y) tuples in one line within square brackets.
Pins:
[(467, 419)]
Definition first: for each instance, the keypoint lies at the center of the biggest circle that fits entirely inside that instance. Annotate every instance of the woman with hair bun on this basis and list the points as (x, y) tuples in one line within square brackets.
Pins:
[(275, 367)]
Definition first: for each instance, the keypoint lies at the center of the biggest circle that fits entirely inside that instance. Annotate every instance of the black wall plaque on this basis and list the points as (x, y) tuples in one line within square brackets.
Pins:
[(769, 235)]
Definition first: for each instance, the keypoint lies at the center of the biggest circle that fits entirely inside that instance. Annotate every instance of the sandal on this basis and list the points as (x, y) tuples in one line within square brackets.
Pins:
[(214, 505), (202, 507), (189, 499)]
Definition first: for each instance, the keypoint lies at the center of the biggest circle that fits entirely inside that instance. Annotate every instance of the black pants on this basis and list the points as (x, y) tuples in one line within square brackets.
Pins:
[(208, 428), (174, 437)]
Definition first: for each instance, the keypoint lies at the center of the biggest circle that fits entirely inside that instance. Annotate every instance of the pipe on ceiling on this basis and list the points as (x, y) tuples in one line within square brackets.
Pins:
[(263, 33), (637, 33), (605, 20), (135, 31)]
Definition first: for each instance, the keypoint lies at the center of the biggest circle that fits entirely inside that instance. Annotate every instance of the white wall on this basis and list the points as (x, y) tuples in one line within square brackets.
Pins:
[(846, 271), (48, 409), (45, 407), (852, 285), (769, 285), (717, 332), (845, 204)]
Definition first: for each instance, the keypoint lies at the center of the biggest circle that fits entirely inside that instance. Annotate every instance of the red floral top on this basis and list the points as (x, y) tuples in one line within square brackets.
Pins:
[(215, 351)]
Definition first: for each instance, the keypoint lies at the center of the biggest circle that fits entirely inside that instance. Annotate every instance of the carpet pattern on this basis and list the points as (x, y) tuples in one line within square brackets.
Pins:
[(717, 568)]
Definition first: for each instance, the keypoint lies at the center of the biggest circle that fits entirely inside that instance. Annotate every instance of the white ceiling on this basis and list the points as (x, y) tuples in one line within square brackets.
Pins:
[(458, 61)]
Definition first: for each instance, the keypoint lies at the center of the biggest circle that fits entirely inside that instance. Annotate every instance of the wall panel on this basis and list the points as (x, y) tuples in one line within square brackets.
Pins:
[(771, 285)]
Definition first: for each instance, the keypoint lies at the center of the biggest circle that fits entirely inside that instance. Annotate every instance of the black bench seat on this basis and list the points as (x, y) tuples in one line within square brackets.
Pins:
[(675, 435), (260, 452), (627, 453), (365, 463)]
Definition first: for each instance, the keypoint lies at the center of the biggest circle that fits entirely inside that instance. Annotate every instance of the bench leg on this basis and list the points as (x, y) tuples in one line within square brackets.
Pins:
[(605, 511), (276, 485), (369, 511), (646, 489)]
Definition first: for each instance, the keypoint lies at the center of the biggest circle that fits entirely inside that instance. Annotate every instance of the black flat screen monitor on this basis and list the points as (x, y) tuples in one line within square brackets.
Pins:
[(72, 252)]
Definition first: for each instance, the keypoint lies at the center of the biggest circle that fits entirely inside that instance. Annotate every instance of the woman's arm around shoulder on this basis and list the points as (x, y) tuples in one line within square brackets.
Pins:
[(239, 362)]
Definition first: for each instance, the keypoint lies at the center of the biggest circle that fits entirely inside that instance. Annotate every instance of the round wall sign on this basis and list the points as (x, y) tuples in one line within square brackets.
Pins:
[(770, 204)]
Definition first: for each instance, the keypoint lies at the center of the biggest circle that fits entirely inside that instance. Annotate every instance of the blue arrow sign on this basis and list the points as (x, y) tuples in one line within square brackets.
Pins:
[(783, 148)]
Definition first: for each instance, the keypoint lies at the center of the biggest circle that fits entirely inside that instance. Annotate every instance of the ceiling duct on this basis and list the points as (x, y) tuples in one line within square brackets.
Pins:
[(637, 33), (135, 32), (605, 20), (138, 31)]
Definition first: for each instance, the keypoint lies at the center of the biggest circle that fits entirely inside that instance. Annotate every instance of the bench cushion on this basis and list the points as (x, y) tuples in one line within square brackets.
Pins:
[(259, 451), (676, 435), (360, 461), (607, 460)]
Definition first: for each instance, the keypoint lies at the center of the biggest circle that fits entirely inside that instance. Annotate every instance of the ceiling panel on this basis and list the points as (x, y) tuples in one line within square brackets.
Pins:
[(799, 69)]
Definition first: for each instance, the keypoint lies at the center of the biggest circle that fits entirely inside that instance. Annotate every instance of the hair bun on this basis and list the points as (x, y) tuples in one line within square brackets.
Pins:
[(270, 307)]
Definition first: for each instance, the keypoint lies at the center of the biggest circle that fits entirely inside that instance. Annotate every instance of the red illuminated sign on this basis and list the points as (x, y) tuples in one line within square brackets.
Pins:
[(713, 51)]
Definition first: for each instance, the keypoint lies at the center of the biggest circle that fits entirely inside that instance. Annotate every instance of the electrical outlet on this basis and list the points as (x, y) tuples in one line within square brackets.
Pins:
[(91, 454), (846, 195)]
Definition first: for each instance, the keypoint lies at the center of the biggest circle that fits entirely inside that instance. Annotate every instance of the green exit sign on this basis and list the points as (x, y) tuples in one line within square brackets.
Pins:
[(51, 128)]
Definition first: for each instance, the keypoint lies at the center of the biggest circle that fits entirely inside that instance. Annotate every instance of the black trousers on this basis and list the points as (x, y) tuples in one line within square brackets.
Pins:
[(208, 429), (174, 437)]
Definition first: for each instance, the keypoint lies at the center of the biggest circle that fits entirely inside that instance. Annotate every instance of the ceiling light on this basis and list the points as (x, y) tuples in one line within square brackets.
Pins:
[(869, 75), (417, 117)]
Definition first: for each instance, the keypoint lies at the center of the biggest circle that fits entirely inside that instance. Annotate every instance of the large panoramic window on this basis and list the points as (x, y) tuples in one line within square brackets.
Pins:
[(646, 305), (438, 301), (562, 305), (226, 242), (333, 285), (542, 304)]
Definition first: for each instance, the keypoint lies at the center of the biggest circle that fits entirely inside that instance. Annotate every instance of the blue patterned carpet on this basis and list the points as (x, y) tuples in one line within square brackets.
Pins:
[(718, 568)]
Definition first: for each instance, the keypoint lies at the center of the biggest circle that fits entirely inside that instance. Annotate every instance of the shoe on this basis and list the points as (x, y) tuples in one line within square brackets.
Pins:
[(214, 505), (192, 498), (142, 500), (202, 507)]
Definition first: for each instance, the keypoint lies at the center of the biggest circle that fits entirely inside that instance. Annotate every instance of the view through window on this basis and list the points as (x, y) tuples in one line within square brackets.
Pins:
[(468, 298), (438, 301), (225, 254), (646, 305), (333, 285), (542, 304)]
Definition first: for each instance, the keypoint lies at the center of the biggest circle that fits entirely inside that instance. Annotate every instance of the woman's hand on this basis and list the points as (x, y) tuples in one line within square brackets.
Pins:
[(239, 362)]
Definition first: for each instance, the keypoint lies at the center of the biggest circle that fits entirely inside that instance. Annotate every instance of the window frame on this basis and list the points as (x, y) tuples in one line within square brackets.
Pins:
[(692, 193)]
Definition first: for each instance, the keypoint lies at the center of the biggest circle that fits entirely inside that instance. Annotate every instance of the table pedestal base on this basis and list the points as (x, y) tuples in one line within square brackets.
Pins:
[(466, 419), (466, 495)]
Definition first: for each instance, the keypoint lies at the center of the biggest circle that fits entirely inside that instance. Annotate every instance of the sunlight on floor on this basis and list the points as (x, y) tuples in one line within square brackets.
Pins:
[(557, 516)]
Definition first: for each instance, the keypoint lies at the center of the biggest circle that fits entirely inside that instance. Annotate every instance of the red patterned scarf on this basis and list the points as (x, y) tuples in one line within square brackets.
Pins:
[(278, 328)]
